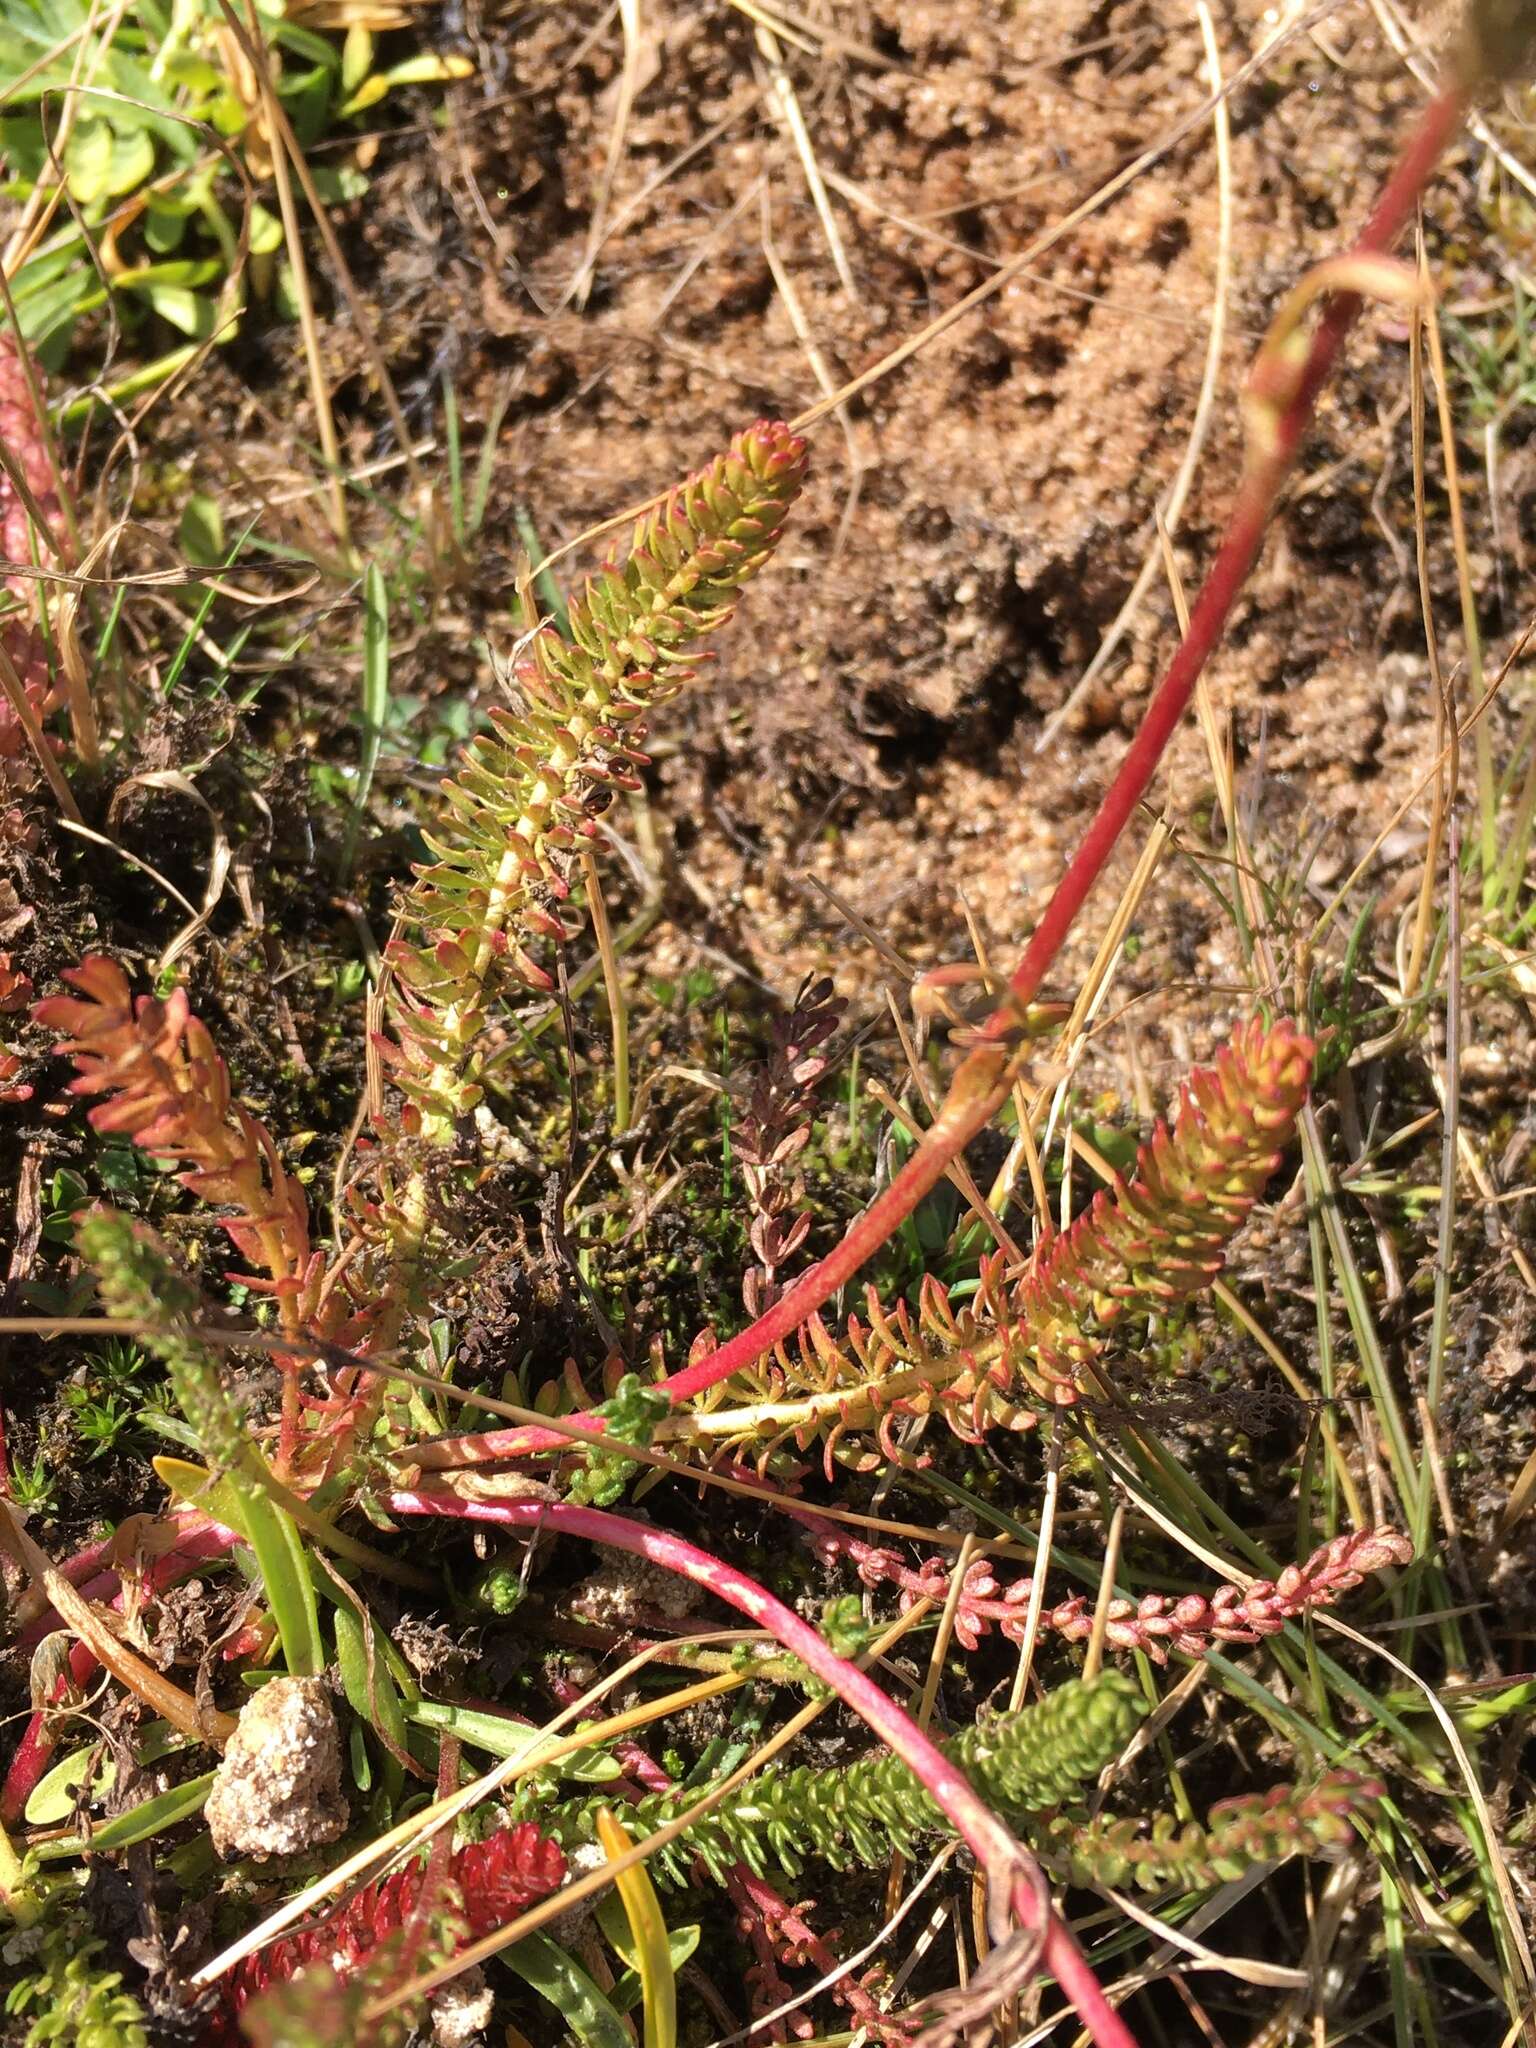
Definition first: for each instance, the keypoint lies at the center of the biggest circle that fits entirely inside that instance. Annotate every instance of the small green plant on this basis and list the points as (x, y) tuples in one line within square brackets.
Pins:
[(67, 1999), (115, 117), (108, 1400), (35, 1484)]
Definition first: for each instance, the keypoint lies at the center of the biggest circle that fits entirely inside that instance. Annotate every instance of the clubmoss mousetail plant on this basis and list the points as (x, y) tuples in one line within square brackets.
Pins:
[(533, 788)]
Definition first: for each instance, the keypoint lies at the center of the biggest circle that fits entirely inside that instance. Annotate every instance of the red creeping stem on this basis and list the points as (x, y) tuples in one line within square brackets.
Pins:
[(197, 1543), (981, 1083), (636, 1760), (35, 1750), (1154, 1624), (1014, 1876)]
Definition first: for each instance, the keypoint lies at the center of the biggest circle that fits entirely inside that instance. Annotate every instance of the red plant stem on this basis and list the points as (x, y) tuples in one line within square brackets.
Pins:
[(195, 1546), (35, 1750), (1015, 1880), (772, 1925), (984, 1078), (78, 1570), (636, 1759)]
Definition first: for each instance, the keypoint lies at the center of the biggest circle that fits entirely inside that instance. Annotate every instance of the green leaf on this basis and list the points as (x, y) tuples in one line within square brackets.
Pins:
[(102, 164), (165, 223), (378, 1703), (54, 1796), (196, 73), (613, 1920), (357, 1750), (201, 532), (568, 1988), (356, 57), (504, 1738), (368, 94), (627, 1989), (337, 184), (187, 311), (289, 1588), (266, 231), (426, 69), (139, 1823)]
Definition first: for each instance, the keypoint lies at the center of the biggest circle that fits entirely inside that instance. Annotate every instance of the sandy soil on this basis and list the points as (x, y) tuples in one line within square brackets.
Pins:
[(978, 518)]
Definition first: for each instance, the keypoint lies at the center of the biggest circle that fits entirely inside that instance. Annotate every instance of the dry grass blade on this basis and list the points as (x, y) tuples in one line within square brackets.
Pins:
[(1171, 507), (819, 366), (579, 289), (785, 104), (1447, 737), (220, 852)]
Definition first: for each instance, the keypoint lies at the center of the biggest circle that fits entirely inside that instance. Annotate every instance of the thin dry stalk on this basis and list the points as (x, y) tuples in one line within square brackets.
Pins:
[(1093, 1658), (785, 103), (1493, 1841), (618, 1008), (1050, 1495), (45, 200), (1464, 730), (785, 286), (1487, 794), (282, 129), (199, 1723), (1171, 508), (580, 287), (1023, 1113), (1447, 741), (956, 1173), (959, 1172)]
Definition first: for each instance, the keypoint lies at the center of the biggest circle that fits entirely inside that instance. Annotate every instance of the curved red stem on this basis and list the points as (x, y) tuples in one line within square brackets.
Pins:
[(982, 1082), (1016, 1882)]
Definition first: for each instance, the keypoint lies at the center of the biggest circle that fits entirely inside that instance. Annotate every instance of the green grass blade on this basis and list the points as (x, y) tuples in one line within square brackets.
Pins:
[(375, 705), (569, 1989), (138, 1824)]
